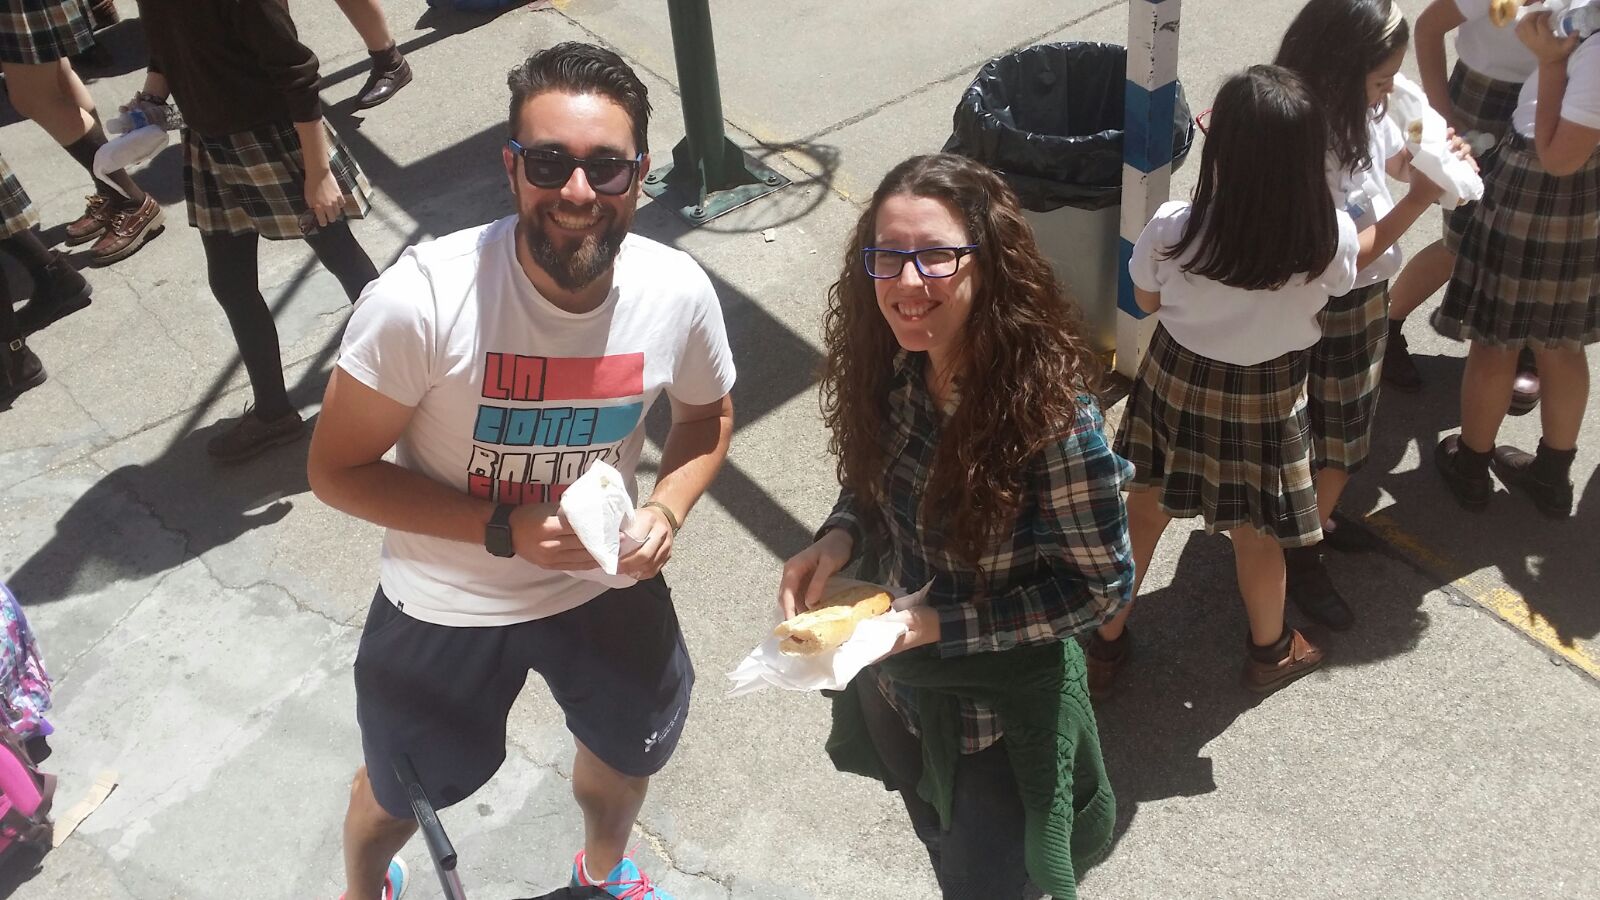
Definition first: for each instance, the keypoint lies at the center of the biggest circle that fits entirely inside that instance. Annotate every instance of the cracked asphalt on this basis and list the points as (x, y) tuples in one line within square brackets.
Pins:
[(200, 621)]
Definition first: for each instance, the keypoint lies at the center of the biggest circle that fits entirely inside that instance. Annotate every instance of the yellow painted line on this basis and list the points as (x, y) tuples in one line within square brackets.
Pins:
[(1503, 602)]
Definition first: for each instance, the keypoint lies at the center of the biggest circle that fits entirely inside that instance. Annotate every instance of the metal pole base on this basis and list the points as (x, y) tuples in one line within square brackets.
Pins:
[(681, 184)]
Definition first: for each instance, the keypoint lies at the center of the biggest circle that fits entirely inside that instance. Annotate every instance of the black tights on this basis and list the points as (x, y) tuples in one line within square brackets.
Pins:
[(231, 266)]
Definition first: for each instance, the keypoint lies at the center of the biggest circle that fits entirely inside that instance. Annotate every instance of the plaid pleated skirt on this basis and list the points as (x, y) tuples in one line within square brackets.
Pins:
[(16, 210), (1528, 273), (1346, 371), (254, 182), (43, 31), (1226, 443), (1482, 104)]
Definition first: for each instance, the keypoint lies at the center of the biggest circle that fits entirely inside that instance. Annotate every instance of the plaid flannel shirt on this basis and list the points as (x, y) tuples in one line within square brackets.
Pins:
[(1065, 567)]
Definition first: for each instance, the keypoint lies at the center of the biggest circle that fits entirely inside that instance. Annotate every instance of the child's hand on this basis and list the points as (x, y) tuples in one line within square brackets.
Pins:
[(323, 197), (1462, 150), (1422, 188), (1535, 32)]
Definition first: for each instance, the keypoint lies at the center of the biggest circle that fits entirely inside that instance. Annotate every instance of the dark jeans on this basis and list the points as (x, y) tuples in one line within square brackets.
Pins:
[(980, 856)]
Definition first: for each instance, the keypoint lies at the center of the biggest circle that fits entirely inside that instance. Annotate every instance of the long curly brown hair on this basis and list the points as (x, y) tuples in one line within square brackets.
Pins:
[(1021, 364)]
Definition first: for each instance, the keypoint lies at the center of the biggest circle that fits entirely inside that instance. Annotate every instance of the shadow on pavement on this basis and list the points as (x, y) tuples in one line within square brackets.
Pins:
[(105, 536), (1551, 564), (1181, 689)]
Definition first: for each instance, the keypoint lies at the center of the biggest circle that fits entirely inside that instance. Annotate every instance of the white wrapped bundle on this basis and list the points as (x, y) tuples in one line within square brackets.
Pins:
[(1428, 138)]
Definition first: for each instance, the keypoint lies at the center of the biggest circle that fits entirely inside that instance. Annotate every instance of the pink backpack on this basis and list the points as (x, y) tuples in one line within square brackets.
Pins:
[(25, 798)]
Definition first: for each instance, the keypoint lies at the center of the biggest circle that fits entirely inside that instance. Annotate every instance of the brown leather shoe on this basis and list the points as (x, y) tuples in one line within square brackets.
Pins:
[(129, 230), (1264, 678), (384, 83), (1104, 659), (96, 218), (1525, 390), (250, 435)]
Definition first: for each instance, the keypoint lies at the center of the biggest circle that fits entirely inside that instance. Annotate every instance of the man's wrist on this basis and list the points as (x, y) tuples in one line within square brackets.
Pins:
[(673, 522)]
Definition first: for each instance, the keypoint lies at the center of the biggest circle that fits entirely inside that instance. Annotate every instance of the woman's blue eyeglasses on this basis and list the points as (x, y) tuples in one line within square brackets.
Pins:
[(931, 262), (552, 169)]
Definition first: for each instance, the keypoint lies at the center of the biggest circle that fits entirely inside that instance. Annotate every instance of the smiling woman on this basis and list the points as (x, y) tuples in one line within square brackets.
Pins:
[(957, 389)]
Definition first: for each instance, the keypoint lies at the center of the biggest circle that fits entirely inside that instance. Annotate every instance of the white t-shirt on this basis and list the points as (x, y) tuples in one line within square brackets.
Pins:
[(1489, 50), (1229, 324), (515, 397), (1580, 104), (1365, 196)]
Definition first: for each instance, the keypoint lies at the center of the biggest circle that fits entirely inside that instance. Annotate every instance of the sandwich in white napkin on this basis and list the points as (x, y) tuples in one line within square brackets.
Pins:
[(600, 512), (829, 671), (1428, 138)]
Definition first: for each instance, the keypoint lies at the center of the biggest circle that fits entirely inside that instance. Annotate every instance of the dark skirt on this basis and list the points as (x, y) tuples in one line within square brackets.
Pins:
[(42, 31), (16, 210), (1227, 443), (1482, 104), (1345, 373), (1528, 271), (253, 182)]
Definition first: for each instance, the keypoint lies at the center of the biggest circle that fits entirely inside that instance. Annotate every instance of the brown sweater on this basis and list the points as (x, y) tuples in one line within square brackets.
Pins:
[(233, 65)]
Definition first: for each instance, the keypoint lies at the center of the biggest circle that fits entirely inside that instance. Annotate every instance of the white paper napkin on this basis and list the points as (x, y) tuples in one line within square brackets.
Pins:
[(600, 512), (1432, 154), (767, 667)]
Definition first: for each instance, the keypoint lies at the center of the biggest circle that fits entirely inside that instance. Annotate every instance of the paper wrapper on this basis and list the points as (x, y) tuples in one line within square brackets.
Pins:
[(1428, 138), (600, 512), (831, 671)]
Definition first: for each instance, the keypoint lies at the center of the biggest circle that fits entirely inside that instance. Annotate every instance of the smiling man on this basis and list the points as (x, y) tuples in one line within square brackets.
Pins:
[(500, 363)]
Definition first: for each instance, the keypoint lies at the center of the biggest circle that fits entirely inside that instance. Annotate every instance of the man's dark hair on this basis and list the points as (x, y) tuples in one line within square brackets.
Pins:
[(577, 68)]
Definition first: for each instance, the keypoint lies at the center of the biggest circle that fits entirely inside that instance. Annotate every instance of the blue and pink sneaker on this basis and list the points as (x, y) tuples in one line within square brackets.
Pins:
[(394, 883), (625, 882)]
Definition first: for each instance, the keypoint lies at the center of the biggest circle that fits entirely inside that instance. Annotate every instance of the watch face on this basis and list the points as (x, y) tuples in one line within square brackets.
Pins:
[(498, 541)]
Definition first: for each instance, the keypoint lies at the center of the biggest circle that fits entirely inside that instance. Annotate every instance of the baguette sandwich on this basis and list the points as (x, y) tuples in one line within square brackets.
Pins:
[(831, 624)]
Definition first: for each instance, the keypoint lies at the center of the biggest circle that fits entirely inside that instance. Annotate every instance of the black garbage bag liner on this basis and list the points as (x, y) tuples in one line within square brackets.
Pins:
[(1050, 120)]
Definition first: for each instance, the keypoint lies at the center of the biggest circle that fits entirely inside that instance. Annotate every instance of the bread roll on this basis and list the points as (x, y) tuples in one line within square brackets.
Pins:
[(1414, 132), (826, 627), (1503, 12)]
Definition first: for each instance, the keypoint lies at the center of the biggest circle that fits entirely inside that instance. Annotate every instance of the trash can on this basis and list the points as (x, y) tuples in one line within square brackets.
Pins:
[(1049, 120)]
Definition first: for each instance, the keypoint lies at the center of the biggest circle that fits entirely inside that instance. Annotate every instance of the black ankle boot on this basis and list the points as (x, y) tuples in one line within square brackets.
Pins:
[(1465, 471), (58, 291), (1310, 588), (20, 370), (1546, 477)]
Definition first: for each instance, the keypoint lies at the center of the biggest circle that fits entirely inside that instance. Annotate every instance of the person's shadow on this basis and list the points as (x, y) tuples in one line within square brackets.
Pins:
[(1550, 564), (144, 519), (1181, 687)]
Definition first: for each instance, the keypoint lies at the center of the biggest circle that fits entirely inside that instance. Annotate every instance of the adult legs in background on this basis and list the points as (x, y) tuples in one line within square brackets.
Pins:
[(340, 253), (231, 262), (390, 71)]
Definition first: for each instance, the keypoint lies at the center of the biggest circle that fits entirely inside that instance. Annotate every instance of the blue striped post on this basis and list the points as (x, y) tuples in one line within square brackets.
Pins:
[(1152, 93)]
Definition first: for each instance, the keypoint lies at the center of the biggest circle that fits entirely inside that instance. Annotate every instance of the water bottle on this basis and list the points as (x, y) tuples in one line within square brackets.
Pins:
[(1581, 21), (142, 115)]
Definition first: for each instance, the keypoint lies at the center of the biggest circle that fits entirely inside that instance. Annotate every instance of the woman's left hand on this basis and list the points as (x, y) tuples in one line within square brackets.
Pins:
[(922, 627)]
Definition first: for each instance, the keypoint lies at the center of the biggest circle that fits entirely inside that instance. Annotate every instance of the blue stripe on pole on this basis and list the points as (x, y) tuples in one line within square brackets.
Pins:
[(1147, 122), (1125, 301)]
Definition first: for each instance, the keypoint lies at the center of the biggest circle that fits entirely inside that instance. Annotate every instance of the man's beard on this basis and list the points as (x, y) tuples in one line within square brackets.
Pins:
[(576, 270)]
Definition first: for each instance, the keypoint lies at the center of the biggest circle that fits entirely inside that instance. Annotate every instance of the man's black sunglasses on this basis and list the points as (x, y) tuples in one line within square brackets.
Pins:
[(552, 169)]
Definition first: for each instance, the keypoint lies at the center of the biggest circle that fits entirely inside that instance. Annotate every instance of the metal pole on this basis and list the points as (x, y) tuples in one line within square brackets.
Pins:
[(709, 175), (1151, 98)]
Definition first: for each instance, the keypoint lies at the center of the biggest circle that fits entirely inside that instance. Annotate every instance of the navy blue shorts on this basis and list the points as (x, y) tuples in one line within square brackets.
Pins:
[(617, 666)]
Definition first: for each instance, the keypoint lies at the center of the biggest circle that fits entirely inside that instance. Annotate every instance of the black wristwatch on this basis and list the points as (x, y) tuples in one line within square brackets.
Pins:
[(497, 536)]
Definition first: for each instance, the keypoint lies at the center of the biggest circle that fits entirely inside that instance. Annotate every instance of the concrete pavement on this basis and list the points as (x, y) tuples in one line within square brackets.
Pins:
[(201, 621)]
